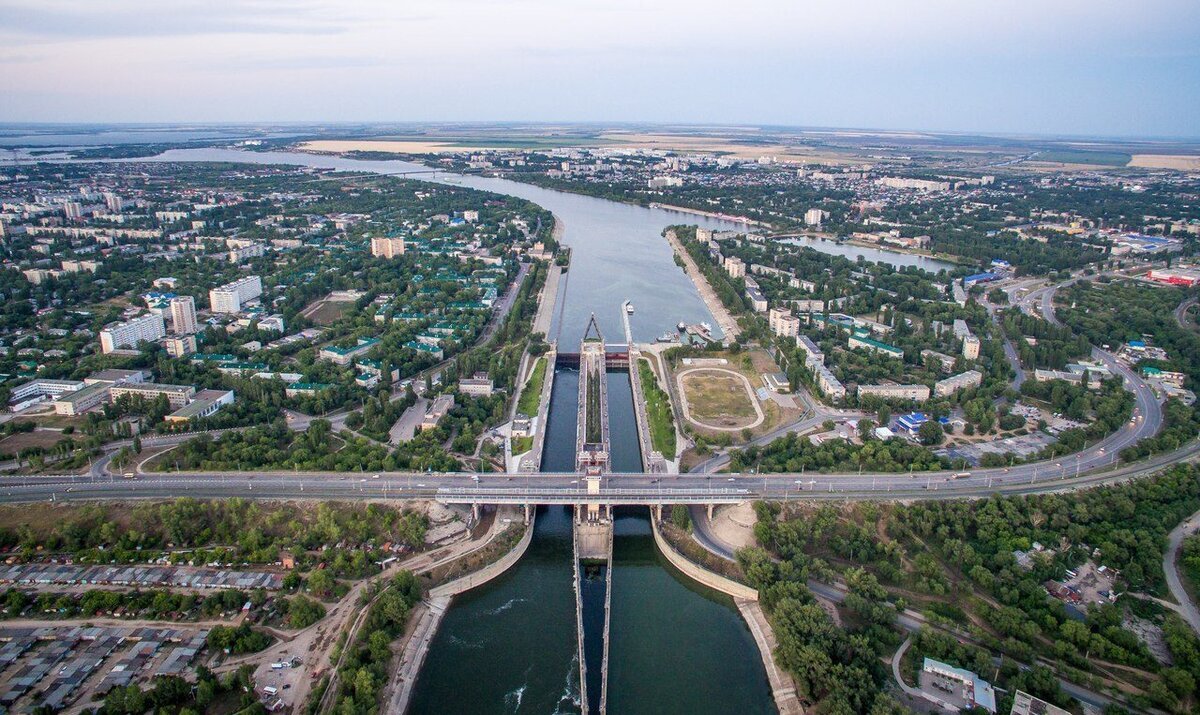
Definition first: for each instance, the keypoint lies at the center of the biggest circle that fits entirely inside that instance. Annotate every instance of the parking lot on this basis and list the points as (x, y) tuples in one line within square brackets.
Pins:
[(149, 576), (56, 666)]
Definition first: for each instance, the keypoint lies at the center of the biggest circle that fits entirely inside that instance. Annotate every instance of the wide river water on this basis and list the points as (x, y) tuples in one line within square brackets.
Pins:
[(510, 646)]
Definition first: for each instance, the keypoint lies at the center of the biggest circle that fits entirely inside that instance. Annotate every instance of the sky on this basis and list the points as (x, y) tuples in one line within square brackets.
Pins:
[(1075, 67)]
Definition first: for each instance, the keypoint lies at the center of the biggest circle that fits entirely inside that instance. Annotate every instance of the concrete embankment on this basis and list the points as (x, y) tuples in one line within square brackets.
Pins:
[(783, 688), (579, 623), (427, 616)]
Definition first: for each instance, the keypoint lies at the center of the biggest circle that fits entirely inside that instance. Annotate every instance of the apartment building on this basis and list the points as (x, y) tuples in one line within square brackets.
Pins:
[(131, 332), (961, 381), (183, 315), (230, 297), (735, 267), (918, 393)]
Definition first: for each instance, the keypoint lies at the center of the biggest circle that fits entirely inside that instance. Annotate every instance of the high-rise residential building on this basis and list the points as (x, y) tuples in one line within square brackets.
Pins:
[(114, 202), (382, 247), (814, 217), (183, 314), (230, 297), (128, 334), (73, 210)]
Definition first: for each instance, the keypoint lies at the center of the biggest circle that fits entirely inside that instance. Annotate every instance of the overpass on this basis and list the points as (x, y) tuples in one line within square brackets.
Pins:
[(572, 488)]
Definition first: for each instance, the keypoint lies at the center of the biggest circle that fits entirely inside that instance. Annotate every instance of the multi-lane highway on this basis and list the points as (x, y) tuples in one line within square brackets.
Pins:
[(570, 488)]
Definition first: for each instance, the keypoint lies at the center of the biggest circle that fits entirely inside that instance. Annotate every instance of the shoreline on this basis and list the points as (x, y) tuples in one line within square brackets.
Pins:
[(428, 614), (721, 314), (783, 687), (709, 214)]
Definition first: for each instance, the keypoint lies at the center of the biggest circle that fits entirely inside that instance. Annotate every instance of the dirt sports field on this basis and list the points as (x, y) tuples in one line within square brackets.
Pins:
[(719, 398)]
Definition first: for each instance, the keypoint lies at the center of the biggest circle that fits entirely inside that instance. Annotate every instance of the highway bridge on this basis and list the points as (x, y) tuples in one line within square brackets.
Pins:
[(606, 490)]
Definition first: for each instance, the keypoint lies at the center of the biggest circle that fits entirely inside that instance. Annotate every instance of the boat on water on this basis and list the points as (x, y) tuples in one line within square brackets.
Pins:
[(629, 307), (682, 326), (668, 338)]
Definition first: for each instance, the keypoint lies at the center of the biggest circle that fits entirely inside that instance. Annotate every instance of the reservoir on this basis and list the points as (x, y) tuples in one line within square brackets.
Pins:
[(868, 253)]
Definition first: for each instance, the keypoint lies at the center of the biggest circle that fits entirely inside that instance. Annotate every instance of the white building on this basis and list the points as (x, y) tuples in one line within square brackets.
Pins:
[(183, 315), (230, 297), (783, 323), (479, 385), (814, 217), (128, 334)]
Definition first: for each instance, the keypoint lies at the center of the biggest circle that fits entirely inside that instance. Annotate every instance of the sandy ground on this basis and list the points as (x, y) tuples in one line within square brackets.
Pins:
[(734, 524), (692, 377), (729, 146), (1166, 161), (335, 146), (720, 313)]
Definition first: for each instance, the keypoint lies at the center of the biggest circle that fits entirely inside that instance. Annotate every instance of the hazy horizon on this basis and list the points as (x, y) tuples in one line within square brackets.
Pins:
[(1077, 69)]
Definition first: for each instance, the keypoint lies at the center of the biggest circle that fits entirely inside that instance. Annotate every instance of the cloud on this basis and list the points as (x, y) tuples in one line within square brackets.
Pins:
[(56, 19)]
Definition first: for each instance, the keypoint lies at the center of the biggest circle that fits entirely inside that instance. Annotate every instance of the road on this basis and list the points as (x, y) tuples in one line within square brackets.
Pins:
[(1181, 314), (1187, 607), (567, 488)]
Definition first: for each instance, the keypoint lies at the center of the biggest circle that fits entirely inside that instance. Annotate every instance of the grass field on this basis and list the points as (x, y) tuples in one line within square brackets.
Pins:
[(326, 311), (531, 394), (1081, 156), (521, 445), (718, 398), (658, 410), (14, 443)]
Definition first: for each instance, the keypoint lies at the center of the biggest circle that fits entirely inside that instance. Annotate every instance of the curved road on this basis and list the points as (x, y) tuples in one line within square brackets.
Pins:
[(1187, 607)]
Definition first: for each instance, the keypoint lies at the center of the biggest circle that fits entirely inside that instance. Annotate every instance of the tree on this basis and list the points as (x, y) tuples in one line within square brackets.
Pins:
[(931, 433)]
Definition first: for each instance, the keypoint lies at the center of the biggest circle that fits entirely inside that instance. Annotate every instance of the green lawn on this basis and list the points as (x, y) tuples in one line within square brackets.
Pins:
[(521, 445), (531, 394), (658, 410)]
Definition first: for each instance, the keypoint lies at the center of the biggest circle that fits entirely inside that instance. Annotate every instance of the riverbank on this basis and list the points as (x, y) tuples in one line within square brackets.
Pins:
[(428, 614), (783, 687), (720, 313), (710, 214)]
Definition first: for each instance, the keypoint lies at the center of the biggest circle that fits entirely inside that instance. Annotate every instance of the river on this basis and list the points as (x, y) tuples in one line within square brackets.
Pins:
[(617, 250), (510, 646)]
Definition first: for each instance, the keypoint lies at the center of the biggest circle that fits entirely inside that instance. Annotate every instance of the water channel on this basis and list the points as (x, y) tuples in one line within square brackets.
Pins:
[(510, 646)]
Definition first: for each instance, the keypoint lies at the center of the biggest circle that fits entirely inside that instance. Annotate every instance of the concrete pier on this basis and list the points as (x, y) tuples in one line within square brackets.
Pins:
[(592, 446), (652, 461), (607, 621), (593, 541), (579, 639), (532, 462)]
